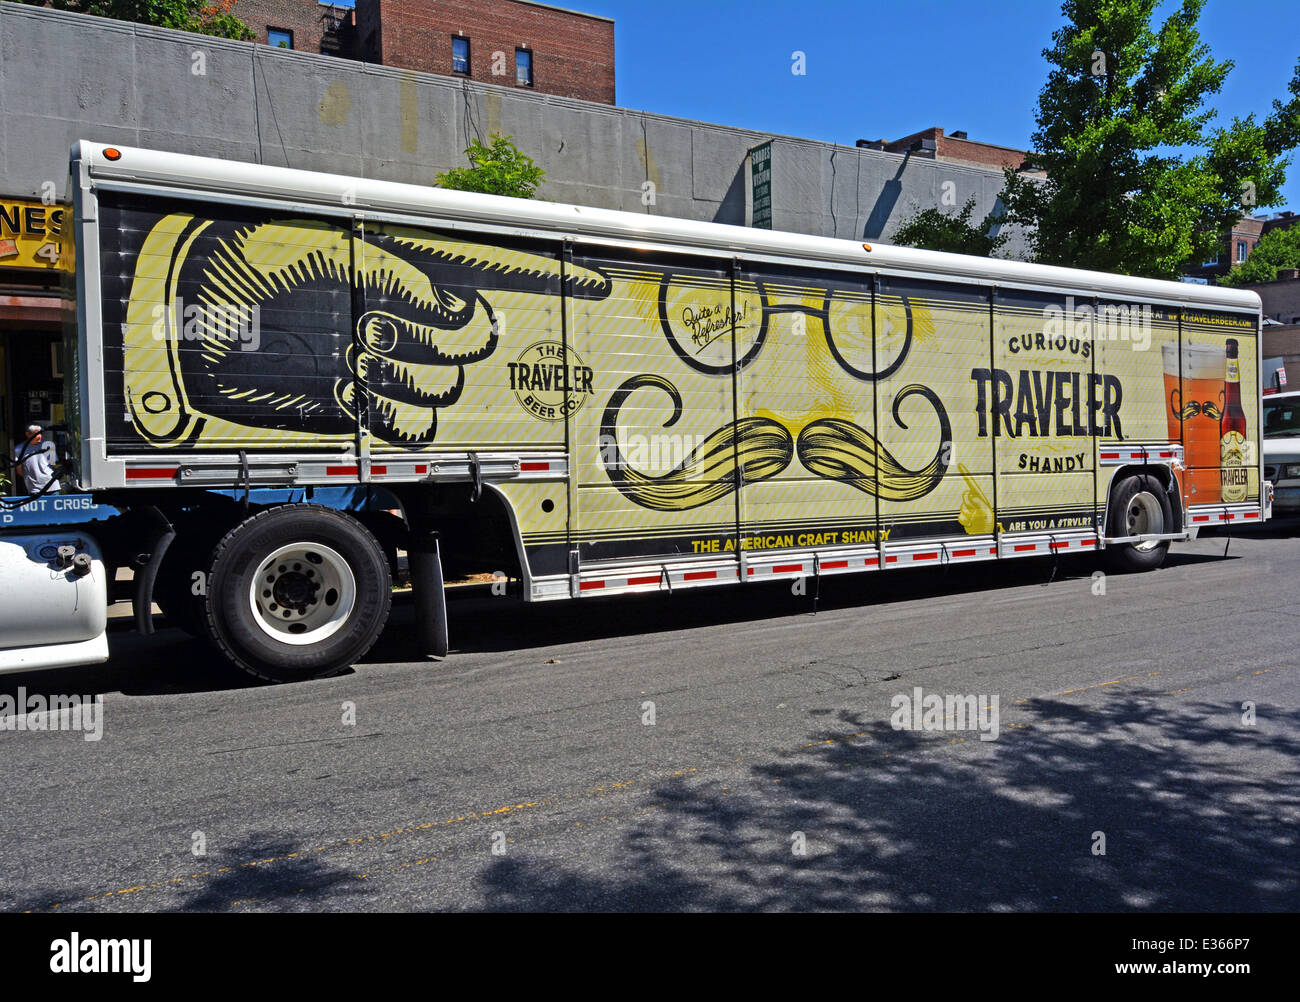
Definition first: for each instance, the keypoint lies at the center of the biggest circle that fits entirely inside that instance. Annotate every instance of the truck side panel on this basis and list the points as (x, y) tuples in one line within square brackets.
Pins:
[(936, 465), (1205, 336), (667, 406), (1046, 410), (818, 405), (652, 438), (223, 329)]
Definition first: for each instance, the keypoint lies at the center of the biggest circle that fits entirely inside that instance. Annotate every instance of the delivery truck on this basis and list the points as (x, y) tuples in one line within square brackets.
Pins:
[(588, 403)]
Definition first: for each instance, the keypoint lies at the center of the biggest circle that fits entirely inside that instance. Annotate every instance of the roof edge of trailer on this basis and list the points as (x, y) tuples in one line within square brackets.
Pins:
[(133, 165)]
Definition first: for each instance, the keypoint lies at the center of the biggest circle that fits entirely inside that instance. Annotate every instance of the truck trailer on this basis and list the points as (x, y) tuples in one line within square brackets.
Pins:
[(588, 403)]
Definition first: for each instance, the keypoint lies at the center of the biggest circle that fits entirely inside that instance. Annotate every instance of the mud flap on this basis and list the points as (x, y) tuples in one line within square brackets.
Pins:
[(146, 573), (425, 561)]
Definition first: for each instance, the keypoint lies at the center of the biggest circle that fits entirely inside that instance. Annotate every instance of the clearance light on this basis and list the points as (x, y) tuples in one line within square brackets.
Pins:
[(112, 153), (866, 247)]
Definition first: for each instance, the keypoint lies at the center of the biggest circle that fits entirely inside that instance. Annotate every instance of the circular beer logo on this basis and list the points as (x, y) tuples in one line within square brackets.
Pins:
[(550, 381)]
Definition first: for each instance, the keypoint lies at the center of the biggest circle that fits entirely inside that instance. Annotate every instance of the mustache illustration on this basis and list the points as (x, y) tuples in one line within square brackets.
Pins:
[(840, 450), (1192, 408), (751, 449), (754, 449)]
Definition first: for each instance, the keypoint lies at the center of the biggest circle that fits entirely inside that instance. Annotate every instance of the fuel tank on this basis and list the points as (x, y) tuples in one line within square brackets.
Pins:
[(53, 600)]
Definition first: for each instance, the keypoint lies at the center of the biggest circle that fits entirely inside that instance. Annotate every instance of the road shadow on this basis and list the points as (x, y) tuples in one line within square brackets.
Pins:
[(898, 821), (1274, 528), (167, 663), (1181, 558), (483, 624), (171, 662), (255, 873)]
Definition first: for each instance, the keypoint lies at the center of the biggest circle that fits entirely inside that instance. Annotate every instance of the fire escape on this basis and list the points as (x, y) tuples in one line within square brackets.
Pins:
[(338, 37)]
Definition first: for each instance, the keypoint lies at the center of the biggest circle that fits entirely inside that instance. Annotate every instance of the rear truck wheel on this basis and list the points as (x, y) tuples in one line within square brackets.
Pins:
[(297, 592), (1139, 506)]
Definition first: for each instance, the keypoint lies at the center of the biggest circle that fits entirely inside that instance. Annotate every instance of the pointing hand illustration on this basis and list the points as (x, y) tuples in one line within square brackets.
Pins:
[(257, 321)]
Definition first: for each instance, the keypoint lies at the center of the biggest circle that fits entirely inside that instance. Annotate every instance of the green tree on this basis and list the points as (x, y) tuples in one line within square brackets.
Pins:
[(206, 17), (934, 229), (1139, 179), (1276, 249), (499, 169)]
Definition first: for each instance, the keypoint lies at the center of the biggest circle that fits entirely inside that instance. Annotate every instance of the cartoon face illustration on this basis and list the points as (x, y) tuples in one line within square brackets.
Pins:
[(312, 327), (728, 333)]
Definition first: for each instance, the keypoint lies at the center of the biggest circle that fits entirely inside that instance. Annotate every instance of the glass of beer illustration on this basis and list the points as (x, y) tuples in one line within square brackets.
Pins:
[(1194, 410)]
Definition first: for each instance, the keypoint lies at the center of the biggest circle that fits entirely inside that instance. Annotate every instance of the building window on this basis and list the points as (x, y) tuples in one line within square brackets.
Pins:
[(279, 38), (1241, 250), (460, 54), (524, 67)]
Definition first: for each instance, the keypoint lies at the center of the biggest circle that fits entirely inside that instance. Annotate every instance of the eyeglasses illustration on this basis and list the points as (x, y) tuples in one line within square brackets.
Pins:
[(699, 315)]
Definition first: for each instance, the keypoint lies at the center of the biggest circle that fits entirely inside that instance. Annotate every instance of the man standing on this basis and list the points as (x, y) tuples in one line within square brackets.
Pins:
[(37, 469)]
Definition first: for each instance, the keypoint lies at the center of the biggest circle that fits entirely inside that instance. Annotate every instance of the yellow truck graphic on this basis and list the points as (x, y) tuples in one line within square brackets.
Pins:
[(597, 402)]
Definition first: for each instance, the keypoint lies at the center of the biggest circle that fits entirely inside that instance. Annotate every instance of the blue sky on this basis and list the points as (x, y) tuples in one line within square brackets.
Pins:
[(884, 70)]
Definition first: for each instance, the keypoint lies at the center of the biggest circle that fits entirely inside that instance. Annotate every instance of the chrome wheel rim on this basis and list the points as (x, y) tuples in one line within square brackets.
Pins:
[(1142, 517), (302, 594)]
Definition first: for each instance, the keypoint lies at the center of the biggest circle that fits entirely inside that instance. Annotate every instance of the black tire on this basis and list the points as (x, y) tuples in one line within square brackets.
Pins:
[(329, 580), (1137, 504)]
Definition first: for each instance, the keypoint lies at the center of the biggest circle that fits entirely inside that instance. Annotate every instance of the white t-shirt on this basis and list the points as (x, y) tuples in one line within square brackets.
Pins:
[(38, 470)]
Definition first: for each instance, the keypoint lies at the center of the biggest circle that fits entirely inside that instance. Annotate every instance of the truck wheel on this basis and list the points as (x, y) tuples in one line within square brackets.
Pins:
[(1138, 506), (297, 592)]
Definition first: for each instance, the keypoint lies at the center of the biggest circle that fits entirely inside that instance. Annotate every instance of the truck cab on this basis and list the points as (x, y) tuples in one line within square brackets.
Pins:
[(1282, 451)]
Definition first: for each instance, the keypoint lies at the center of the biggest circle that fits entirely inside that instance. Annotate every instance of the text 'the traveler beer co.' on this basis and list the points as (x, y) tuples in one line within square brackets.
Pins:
[(1232, 434)]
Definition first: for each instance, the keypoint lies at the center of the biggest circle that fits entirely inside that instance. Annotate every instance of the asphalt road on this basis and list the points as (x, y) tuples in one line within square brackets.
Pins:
[(522, 772)]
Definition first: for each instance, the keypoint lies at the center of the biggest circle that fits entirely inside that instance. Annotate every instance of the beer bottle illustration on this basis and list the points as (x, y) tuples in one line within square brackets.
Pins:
[(1233, 476)]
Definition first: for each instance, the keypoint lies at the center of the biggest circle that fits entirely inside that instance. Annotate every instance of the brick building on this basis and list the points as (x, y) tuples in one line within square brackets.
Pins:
[(514, 43), (1280, 221), (1239, 243), (955, 148), (302, 25), (1280, 299)]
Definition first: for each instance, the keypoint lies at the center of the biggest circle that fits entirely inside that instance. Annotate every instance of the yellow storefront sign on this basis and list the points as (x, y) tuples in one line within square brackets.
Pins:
[(31, 235)]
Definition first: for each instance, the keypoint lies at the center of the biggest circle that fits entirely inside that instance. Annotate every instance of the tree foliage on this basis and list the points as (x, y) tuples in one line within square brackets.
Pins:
[(499, 169), (1276, 249), (934, 229), (1139, 178), (206, 17)]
